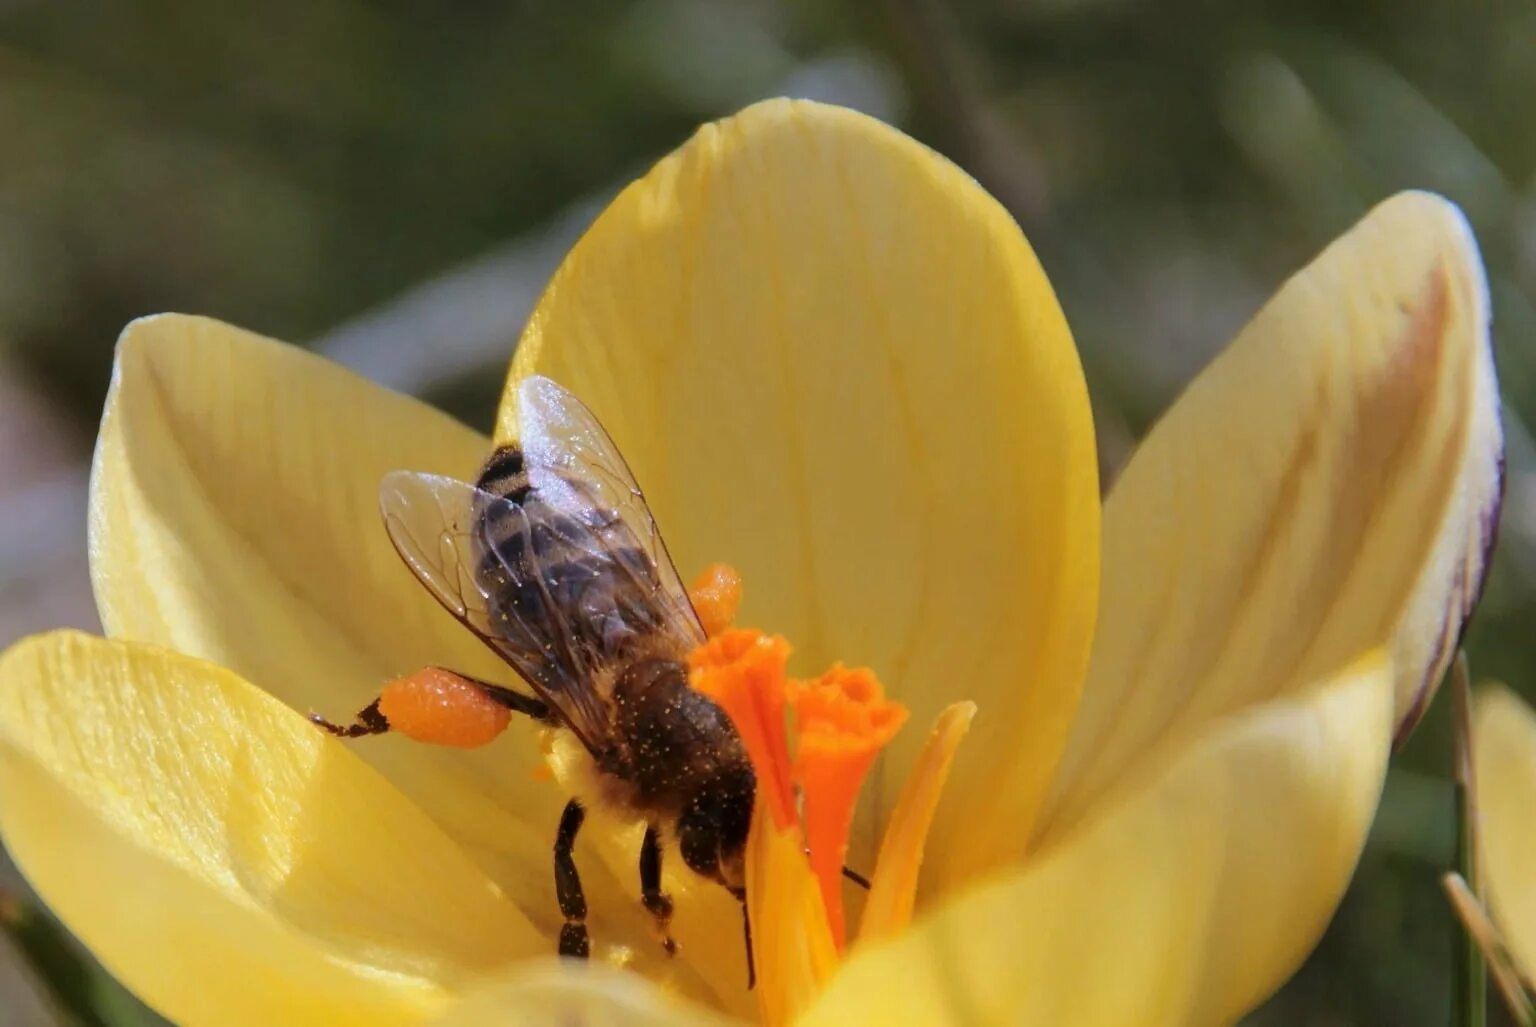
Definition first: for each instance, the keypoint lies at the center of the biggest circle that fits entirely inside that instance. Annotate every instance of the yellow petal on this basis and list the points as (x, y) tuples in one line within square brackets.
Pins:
[(1186, 902), (833, 361), (223, 859), (1504, 746), (561, 994), (1327, 486), (234, 516)]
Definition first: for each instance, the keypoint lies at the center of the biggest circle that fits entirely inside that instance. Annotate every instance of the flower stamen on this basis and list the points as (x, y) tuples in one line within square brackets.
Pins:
[(893, 886)]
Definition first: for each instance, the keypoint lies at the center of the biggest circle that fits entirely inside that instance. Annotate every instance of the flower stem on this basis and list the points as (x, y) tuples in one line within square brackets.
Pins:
[(1472, 969)]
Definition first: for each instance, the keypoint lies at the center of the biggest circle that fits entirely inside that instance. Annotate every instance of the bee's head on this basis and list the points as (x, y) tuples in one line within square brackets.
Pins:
[(712, 831)]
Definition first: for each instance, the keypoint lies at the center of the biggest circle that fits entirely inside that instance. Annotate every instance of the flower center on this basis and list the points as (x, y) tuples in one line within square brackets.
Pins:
[(805, 803)]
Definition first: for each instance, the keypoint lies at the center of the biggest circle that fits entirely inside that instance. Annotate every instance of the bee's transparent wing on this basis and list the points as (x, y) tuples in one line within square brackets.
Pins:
[(461, 543), (574, 467)]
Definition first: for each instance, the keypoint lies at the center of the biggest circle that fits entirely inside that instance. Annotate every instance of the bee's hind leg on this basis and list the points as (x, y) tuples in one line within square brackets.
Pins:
[(439, 706), (573, 904), (656, 901), (369, 722)]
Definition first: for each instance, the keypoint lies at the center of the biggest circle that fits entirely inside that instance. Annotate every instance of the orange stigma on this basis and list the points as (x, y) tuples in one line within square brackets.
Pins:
[(844, 720), (803, 815), (716, 595)]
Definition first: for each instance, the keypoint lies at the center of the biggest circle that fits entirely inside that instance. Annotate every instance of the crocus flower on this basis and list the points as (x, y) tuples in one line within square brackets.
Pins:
[(1504, 754), (833, 361)]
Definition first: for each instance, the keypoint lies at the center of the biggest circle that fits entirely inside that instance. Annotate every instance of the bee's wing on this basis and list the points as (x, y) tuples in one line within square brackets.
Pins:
[(447, 533), (573, 466)]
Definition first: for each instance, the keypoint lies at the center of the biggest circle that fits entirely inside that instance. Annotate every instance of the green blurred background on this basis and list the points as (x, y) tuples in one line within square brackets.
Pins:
[(392, 182)]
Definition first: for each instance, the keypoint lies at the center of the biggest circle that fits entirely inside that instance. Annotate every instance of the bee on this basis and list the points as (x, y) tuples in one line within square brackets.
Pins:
[(553, 559)]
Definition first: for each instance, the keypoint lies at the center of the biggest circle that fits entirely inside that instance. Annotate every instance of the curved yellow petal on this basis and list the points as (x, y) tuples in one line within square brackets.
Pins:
[(1504, 747), (234, 517), (834, 361), (1327, 486), (560, 994), (1185, 902), (224, 860)]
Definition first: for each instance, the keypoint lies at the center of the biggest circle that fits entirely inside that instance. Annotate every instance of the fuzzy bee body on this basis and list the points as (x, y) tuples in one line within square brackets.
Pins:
[(676, 763), (553, 559)]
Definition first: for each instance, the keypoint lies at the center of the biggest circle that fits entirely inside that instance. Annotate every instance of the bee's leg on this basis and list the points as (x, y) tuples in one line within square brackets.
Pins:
[(369, 722), (517, 702), (658, 902), (573, 904), (439, 706)]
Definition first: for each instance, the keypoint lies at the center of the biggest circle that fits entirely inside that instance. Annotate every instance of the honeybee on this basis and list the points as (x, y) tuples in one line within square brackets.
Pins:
[(553, 559)]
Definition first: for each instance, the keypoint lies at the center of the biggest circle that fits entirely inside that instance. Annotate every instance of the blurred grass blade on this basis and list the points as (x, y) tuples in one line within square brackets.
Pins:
[(1472, 970), (1481, 930)]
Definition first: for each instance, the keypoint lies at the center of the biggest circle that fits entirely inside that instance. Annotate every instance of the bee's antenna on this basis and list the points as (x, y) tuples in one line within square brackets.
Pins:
[(746, 931)]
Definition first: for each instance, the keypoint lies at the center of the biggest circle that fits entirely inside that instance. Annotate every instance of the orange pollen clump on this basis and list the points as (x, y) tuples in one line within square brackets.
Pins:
[(716, 596), (844, 720), (742, 670), (441, 707)]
